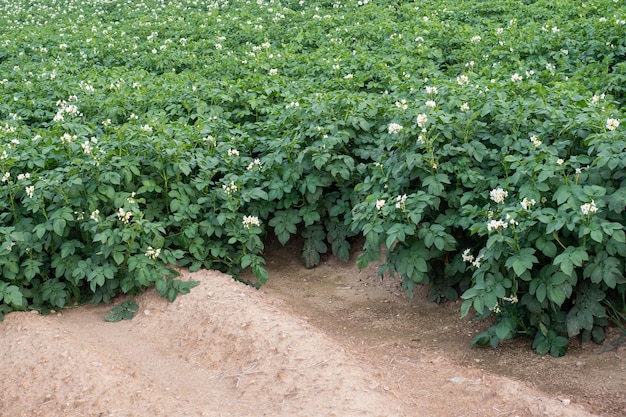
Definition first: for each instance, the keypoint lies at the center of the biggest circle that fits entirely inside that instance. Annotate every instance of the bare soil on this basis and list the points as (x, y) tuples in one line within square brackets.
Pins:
[(330, 341)]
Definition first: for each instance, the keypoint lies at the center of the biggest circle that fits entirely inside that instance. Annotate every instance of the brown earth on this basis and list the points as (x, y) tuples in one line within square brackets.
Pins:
[(331, 341)]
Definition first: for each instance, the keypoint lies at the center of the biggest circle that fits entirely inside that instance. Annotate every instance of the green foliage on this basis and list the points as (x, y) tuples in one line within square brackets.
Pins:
[(124, 311), (488, 165)]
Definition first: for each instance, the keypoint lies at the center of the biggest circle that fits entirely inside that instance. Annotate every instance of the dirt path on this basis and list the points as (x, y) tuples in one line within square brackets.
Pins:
[(323, 342), (377, 318)]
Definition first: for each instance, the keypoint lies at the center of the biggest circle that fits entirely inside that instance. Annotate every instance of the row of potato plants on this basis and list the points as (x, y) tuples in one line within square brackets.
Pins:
[(487, 164)]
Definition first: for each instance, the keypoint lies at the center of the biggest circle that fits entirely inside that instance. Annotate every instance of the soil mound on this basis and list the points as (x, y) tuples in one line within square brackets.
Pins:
[(226, 349)]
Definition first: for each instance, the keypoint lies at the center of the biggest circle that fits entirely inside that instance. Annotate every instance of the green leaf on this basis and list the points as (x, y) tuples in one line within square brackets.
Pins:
[(482, 338), (572, 256), (541, 292), (260, 273), (619, 236), (284, 223), (596, 235), (522, 261), (465, 307), (504, 330), (54, 291), (246, 261), (341, 249), (31, 268), (123, 311), (58, 226), (309, 215), (434, 185), (311, 252), (12, 295), (107, 191), (556, 295)]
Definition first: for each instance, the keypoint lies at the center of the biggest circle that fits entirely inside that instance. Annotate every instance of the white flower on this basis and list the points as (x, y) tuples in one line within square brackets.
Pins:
[(218, 46), (498, 195), (30, 191), (589, 208), (496, 225), (612, 124), (348, 76), (249, 221), (465, 107), (475, 39), (72, 109), (527, 204), (25, 176), (421, 120), (95, 215), (123, 215), (516, 77), (560, 161), (229, 188), (431, 90), (462, 79), (273, 71), (535, 141), (86, 147), (67, 138), (467, 255), (511, 220), (394, 128), (402, 104), (86, 86), (512, 299), (431, 104), (146, 128), (596, 99), (153, 253), (254, 164), (476, 262), (401, 201), (6, 177), (380, 204), (210, 139), (233, 152)]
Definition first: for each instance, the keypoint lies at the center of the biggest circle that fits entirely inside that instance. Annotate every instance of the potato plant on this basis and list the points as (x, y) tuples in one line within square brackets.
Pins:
[(474, 147)]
